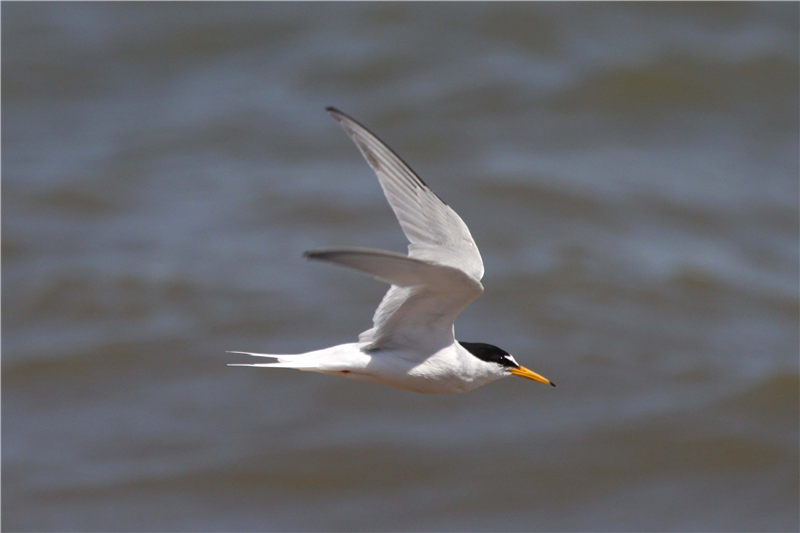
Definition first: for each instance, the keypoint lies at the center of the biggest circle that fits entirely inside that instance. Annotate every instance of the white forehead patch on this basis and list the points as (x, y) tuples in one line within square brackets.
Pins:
[(511, 358)]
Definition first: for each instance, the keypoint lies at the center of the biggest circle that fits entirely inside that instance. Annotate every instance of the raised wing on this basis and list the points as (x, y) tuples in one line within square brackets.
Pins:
[(423, 302), (435, 232)]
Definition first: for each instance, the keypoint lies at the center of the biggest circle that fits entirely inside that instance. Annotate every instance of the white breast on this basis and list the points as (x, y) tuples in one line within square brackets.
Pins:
[(450, 370)]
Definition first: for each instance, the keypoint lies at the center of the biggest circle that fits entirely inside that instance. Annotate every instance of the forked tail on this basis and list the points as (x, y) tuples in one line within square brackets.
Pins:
[(336, 358), (281, 359), (303, 361)]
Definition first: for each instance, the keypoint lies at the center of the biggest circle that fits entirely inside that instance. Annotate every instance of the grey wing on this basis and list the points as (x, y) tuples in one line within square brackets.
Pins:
[(422, 303), (435, 232)]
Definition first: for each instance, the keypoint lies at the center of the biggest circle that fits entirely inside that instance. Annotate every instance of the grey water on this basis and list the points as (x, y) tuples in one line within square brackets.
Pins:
[(629, 172)]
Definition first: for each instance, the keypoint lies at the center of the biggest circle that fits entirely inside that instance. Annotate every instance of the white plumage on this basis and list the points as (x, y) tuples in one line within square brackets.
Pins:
[(411, 345)]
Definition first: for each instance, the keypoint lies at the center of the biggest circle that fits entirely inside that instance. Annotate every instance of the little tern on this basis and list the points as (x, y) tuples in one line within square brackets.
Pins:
[(411, 344)]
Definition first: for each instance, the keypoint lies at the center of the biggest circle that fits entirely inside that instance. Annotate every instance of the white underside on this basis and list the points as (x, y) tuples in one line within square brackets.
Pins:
[(450, 370)]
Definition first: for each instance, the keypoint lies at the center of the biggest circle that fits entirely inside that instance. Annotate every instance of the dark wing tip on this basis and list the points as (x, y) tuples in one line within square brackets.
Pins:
[(335, 112), (553, 384), (321, 254)]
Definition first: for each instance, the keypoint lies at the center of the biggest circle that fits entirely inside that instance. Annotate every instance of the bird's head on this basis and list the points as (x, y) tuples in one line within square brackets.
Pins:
[(493, 354)]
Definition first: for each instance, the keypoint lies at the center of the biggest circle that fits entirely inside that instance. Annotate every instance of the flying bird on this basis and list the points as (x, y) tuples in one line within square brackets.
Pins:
[(411, 344)]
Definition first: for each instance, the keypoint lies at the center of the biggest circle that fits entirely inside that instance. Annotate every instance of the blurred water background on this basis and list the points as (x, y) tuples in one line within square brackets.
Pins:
[(629, 171)]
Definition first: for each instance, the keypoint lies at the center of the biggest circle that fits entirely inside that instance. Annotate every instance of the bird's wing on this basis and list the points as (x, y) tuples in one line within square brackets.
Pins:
[(435, 232), (422, 303)]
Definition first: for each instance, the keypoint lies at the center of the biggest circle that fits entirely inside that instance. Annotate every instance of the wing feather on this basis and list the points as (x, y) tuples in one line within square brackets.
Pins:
[(435, 232), (442, 272), (423, 302)]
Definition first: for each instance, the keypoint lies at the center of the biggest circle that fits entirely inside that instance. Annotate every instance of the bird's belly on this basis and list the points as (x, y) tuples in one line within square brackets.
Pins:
[(434, 375)]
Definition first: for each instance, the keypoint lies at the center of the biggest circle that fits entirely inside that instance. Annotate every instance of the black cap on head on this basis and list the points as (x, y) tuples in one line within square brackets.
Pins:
[(490, 353)]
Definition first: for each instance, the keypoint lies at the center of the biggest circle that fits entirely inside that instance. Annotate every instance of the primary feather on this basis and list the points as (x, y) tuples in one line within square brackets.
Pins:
[(424, 299), (437, 237), (435, 232)]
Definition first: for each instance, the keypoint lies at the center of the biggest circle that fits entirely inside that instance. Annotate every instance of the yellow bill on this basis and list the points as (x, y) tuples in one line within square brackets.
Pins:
[(530, 374)]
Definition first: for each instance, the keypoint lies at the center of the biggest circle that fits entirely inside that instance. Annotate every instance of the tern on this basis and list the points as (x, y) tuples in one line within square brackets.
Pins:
[(411, 344)]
